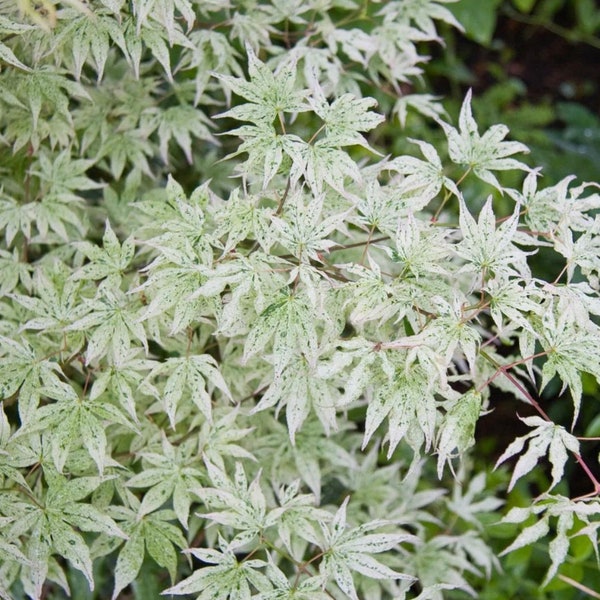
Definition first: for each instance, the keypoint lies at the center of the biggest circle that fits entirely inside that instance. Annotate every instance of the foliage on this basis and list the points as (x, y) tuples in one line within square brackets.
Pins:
[(243, 352), (480, 18)]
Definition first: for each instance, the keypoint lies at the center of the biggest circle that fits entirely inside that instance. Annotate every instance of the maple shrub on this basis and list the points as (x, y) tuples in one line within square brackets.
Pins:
[(244, 346)]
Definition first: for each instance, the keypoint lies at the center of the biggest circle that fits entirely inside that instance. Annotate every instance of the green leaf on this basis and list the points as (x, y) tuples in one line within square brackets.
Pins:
[(70, 544), (237, 503), (7, 55), (64, 436), (349, 550), (320, 163), (407, 402), (15, 369), (227, 578), (191, 374), (156, 497), (489, 249), (160, 549), (290, 321), (112, 260), (270, 93), (524, 5), (129, 561), (456, 434), (94, 438), (303, 230), (88, 518), (94, 35), (300, 389), (181, 123), (478, 19), (47, 87), (571, 350)]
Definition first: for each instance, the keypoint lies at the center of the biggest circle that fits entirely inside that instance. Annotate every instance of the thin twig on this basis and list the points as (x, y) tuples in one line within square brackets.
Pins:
[(503, 369), (579, 586), (568, 34), (447, 196)]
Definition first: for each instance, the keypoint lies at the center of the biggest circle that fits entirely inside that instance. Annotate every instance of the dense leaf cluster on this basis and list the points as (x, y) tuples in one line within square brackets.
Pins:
[(279, 370)]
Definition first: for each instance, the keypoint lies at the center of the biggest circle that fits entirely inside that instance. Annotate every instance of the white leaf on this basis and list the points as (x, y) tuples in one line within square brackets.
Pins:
[(529, 535)]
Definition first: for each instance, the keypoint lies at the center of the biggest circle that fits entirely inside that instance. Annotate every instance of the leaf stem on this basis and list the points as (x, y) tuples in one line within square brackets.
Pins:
[(579, 586), (367, 244), (562, 272), (383, 238), (571, 35), (315, 134), (447, 196), (504, 370), (283, 198), (281, 122)]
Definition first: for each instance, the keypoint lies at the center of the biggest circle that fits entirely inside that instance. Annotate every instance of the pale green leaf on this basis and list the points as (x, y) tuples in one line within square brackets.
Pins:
[(483, 154), (346, 118), (64, 436), (94, 438), (70, 544), (88, 518), (160, 548), (456, 434), (129, 561), (156, 496), (7, 55)]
